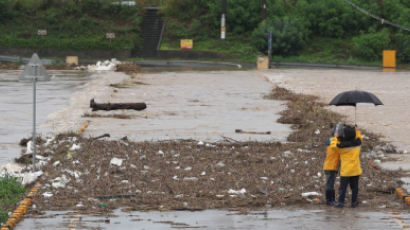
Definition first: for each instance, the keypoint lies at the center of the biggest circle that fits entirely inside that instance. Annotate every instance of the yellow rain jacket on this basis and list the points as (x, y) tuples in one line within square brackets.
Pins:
[(332, 158), (349, 157)]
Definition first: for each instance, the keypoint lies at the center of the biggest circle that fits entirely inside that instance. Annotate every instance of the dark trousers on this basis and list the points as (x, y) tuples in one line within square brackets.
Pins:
[(353, 181), (330, 180), (330, 186)]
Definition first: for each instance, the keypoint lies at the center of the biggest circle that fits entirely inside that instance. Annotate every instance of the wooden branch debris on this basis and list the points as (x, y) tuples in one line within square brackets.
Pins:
[(114, 106), (252, 132)]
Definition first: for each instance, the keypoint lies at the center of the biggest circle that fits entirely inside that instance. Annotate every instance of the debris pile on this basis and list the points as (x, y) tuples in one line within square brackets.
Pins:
[(188, 175)]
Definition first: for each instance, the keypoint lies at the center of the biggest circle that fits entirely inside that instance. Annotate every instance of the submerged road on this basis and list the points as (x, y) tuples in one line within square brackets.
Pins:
[(204, 106)]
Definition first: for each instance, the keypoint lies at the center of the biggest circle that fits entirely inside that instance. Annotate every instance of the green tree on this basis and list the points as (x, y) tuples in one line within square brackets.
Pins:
[(288, 36)]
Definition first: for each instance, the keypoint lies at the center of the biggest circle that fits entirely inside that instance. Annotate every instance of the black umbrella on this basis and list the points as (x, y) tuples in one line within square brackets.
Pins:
[(353, 97)]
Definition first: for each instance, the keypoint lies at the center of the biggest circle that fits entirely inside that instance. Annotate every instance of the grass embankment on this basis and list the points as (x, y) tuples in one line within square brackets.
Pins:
[(70, 26), (10, 192)]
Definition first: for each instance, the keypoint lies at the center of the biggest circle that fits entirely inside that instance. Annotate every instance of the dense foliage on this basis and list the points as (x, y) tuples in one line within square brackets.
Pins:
[(76, 25), (295, 23)]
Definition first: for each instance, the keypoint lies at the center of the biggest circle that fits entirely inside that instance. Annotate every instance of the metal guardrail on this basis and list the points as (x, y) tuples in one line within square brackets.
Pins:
[(4, 58)]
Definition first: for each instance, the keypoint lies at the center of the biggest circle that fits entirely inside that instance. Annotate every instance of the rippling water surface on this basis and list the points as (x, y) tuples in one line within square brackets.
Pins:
[(16, 101)]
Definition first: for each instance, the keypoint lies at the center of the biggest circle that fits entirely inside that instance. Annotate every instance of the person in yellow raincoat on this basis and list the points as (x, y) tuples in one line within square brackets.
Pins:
[(348, 144), (331, 167)]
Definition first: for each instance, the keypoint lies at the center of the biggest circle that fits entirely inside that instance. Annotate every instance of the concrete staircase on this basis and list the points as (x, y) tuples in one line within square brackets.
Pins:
[(152, 28)]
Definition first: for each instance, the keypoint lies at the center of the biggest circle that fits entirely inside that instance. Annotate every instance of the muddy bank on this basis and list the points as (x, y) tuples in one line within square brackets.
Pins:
[(97, 175)]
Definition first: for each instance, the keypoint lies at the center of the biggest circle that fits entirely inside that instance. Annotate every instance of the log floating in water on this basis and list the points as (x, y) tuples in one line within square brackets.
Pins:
[(113, 106), (251, 132)]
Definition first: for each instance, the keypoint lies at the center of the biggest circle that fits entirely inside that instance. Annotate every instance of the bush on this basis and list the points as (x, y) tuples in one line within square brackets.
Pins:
[(332, 18), (288, 36), (370, 46), (5, 11)]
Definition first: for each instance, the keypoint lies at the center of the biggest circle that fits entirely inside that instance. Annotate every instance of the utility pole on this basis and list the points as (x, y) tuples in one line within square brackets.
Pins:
[(263, 12), (223, 20)]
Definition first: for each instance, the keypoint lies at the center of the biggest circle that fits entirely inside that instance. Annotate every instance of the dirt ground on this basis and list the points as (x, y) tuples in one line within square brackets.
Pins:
[(92, 175)]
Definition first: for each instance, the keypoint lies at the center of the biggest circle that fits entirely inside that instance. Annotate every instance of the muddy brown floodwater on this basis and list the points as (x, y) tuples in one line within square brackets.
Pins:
[(182, 152)]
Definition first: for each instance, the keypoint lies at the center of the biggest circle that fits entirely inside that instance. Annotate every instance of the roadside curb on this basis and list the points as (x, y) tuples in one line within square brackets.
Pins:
[(403, 195), (23, 206)]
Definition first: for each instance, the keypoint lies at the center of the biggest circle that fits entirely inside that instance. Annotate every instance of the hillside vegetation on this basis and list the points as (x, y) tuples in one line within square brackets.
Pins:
[(70, 24), (303, 30)]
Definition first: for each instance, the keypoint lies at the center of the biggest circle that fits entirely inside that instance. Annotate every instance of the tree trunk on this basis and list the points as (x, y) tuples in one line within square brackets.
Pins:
[(114, 106)]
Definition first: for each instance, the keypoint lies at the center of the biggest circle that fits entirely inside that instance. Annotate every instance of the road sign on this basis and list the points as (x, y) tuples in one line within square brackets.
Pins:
[(42, 32), (110, 35)]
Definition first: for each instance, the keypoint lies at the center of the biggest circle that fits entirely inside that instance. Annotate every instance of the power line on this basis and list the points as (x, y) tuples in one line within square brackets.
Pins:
[(382, 20)]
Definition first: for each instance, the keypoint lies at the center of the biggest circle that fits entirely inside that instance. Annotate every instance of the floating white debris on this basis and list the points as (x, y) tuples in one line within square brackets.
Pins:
[(177, 168), (307, 194), (49, 140), (47, 194), (60, 182), (179, 196), (190, 179), (29, 178), (200, 143), (75, 147), (124, 181), (116, 161), (79, 205), (287, 153), (133, 166), (29, 149), (146, 167), (220, 164), (319, 174), (188, 168), (11, 169), (107, 65), (317, 132), (56, 163), (175, 177), (232, 191), (75, 174), (137, 191), (263, 178), (203, 173), (292, 171), (161, 153), (220, 196), (39, 157)]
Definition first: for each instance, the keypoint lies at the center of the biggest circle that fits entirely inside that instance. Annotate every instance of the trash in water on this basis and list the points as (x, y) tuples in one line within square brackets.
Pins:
[(116, 161), (242, 191)]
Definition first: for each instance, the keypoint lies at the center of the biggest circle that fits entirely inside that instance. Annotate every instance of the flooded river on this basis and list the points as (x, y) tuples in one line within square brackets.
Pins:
[(16, 101)]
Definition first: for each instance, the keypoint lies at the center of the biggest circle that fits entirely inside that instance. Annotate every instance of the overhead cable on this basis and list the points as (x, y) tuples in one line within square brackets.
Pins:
[(382, 20)]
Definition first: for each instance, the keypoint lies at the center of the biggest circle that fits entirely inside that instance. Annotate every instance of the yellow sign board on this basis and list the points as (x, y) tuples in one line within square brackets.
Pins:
[(389, 58), (187, 43)]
